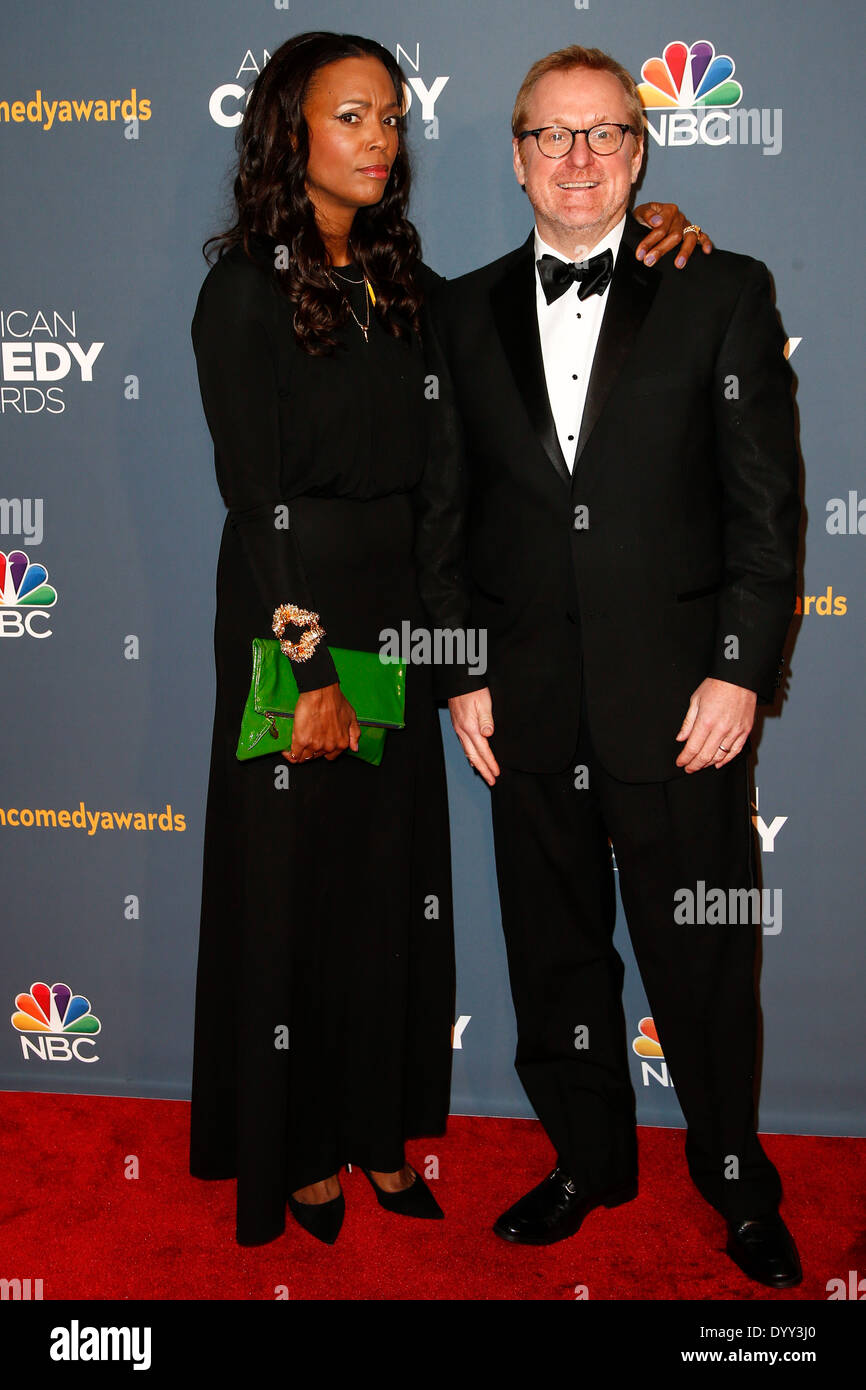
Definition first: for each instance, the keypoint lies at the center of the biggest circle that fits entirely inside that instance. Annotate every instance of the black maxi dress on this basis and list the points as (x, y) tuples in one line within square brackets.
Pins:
[(326, 919)]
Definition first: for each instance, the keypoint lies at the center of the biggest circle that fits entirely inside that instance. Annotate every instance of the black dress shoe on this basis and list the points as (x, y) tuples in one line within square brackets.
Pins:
[(414, 1200), (554, 1210), (322, 1219), (765, 1251)]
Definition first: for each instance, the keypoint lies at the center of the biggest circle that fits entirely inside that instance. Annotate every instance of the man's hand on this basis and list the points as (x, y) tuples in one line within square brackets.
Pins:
[(669, 224), (472, 718), (718, 721)]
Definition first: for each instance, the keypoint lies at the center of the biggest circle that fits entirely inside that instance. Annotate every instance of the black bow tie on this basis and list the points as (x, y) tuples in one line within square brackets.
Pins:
[(592, 276)]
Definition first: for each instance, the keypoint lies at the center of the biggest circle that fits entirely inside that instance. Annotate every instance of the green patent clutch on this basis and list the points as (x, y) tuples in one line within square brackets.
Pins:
[(375, 689)]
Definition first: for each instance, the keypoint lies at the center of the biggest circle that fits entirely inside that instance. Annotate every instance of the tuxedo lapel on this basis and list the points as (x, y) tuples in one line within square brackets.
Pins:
[(513, 304), (631, 293)]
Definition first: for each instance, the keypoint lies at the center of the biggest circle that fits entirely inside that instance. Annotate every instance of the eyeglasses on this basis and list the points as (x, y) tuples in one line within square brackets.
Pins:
[(556, 140)]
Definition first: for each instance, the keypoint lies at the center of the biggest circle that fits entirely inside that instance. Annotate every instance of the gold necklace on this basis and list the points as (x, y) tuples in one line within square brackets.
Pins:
[(369, 298)]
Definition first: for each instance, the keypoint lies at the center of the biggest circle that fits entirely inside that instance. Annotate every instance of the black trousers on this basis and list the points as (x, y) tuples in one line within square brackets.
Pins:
[(557, 894)]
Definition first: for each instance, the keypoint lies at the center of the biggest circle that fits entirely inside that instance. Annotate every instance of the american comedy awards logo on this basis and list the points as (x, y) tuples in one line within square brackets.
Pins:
[(697, 98), (227, 101), (41, 360), (55, 1025)]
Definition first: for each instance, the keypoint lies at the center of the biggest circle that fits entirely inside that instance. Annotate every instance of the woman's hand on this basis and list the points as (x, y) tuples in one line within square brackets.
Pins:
[(324, 726), (668, 225)]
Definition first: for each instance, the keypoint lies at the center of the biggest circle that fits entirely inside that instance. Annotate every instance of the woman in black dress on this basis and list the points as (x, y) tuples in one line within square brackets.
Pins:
[(325, 987), (325, 978)]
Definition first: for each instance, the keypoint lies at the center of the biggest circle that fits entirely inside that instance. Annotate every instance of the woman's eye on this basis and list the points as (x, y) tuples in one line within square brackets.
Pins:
[(348, 116)]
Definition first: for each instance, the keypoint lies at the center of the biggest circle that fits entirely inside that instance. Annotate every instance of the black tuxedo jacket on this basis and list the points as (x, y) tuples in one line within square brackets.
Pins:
[(668, 555)]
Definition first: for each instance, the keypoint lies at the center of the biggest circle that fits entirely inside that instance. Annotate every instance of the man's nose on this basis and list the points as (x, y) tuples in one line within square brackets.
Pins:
[(580, 155)]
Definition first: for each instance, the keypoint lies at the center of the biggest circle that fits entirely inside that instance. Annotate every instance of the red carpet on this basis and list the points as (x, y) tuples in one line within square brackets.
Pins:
[(70, 1217)]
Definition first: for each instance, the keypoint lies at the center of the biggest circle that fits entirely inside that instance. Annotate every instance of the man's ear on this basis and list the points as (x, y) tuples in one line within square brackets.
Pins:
[(636, 170), (519, 172)]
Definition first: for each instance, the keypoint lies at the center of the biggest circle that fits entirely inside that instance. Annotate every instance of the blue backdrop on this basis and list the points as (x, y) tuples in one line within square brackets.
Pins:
[(117, 127)]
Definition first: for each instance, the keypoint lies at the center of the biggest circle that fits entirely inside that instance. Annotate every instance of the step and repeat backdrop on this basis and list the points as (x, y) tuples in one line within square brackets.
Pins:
[(117, 129)]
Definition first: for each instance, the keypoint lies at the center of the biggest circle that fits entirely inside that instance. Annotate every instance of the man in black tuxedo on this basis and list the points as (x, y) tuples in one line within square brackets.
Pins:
[(628, 446)]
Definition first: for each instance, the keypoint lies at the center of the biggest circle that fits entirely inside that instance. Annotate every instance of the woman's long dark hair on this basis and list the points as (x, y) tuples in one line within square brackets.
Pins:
[(271, 198)]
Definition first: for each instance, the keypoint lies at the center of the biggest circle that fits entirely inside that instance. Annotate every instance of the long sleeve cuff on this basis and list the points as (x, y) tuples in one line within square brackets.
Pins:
[(278, 573)]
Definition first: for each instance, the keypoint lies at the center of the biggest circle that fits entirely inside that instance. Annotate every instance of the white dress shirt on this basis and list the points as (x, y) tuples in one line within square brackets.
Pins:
[(569, 329)]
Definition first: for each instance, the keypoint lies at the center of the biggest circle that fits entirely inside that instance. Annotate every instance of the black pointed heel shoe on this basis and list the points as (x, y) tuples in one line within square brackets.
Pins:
[(415, 1200), (322, 1219)]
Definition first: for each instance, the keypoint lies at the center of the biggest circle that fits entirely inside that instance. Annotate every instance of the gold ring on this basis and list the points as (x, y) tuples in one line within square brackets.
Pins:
[(693, 227)]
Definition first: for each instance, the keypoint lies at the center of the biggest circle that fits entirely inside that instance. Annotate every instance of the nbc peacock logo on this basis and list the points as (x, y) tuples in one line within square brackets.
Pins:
[(694, 90), (684, 76), (55, 1025), (647, 1046), (25, 595)]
